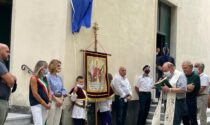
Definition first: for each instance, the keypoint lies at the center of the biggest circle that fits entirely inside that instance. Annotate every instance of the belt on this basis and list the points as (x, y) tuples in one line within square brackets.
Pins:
[(202, 94), (181, 99), (123, 98), (58, 95), (126, 96), (117, 96), (144, 92), (81, 106), (4, 98)]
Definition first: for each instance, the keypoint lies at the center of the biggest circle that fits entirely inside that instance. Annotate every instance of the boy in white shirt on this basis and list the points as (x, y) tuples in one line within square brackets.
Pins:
[(79, 100)]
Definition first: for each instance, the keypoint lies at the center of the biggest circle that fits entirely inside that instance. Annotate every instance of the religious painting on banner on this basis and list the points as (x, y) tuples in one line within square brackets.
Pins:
[(96, 75)]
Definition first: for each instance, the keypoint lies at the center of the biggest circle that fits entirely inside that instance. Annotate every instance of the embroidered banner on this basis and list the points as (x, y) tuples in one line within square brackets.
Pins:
[(96, 75)]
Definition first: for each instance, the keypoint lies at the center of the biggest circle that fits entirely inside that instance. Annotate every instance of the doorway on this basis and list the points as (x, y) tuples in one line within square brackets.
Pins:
[(5, 23), (160, 42)]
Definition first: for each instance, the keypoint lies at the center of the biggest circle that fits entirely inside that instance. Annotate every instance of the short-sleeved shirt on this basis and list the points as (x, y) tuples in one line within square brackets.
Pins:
[(144, 83), (3, 68), (4, 89), (181, 83), (195, 80), (204, 82)]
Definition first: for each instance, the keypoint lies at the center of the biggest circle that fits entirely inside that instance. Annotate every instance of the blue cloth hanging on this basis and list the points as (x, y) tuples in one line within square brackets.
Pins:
[(81, 14)]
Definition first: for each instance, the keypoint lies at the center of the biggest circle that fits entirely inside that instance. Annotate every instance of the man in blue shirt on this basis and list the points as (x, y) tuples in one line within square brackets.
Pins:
[(7, 81)]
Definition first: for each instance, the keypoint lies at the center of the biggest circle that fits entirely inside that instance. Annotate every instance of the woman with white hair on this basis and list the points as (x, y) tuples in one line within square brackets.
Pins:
[(39, 93)]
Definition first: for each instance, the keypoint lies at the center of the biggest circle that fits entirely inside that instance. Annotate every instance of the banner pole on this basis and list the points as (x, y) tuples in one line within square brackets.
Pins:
[(96, 114)]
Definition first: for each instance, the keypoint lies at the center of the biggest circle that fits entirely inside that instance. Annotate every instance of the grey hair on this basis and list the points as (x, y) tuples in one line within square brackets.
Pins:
[(202, 66), (121, 67), (188, 63)]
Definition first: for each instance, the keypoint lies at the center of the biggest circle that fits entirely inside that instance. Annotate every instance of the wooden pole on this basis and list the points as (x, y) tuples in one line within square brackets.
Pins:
[(98, 53), (96, 114), (95, 29)]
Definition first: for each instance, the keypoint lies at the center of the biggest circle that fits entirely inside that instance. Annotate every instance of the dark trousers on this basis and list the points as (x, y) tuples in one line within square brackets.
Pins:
[(78, 121), (121, 110), (180, 110), (144, 105), (191, 117), (106, 118), (157, 93)]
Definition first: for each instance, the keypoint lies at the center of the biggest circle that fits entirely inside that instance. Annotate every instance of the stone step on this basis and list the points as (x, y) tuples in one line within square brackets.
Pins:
[(18, 119), (208, 121), (208, 112), (150, 116), (149, 122), (153, 107), (151, 113)]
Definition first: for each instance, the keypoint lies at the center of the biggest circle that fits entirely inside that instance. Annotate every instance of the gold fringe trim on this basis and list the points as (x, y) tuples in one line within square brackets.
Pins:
[(95, 99), (100, 99)]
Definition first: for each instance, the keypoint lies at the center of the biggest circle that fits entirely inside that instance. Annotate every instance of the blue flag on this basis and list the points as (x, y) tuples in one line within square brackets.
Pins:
[(81, 14)]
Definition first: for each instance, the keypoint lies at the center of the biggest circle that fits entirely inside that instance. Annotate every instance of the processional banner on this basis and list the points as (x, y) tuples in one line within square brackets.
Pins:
[(96, 75)]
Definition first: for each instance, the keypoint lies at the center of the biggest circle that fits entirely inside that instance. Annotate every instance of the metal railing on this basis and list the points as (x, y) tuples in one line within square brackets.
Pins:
[(24, 67)]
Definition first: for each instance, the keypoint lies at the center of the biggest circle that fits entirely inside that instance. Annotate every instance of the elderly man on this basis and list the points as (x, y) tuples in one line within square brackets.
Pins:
[(159, 63), (180, 87), (202, 99), (193, 88), (7, 81), (123, 94)]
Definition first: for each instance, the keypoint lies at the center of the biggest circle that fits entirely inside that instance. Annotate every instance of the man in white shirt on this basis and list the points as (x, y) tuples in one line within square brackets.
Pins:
[(143, 88), (123, 94), (202, 99)]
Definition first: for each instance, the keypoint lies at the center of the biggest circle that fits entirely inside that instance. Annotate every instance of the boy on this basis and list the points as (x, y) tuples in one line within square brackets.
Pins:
[(79, 100)]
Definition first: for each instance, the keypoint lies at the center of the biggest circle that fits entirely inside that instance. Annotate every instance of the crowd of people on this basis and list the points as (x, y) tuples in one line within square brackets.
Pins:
[(46, 93)]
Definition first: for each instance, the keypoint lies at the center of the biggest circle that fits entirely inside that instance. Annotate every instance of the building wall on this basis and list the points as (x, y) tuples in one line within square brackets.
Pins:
[(193, 30), (42, 30), (38, 33)]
